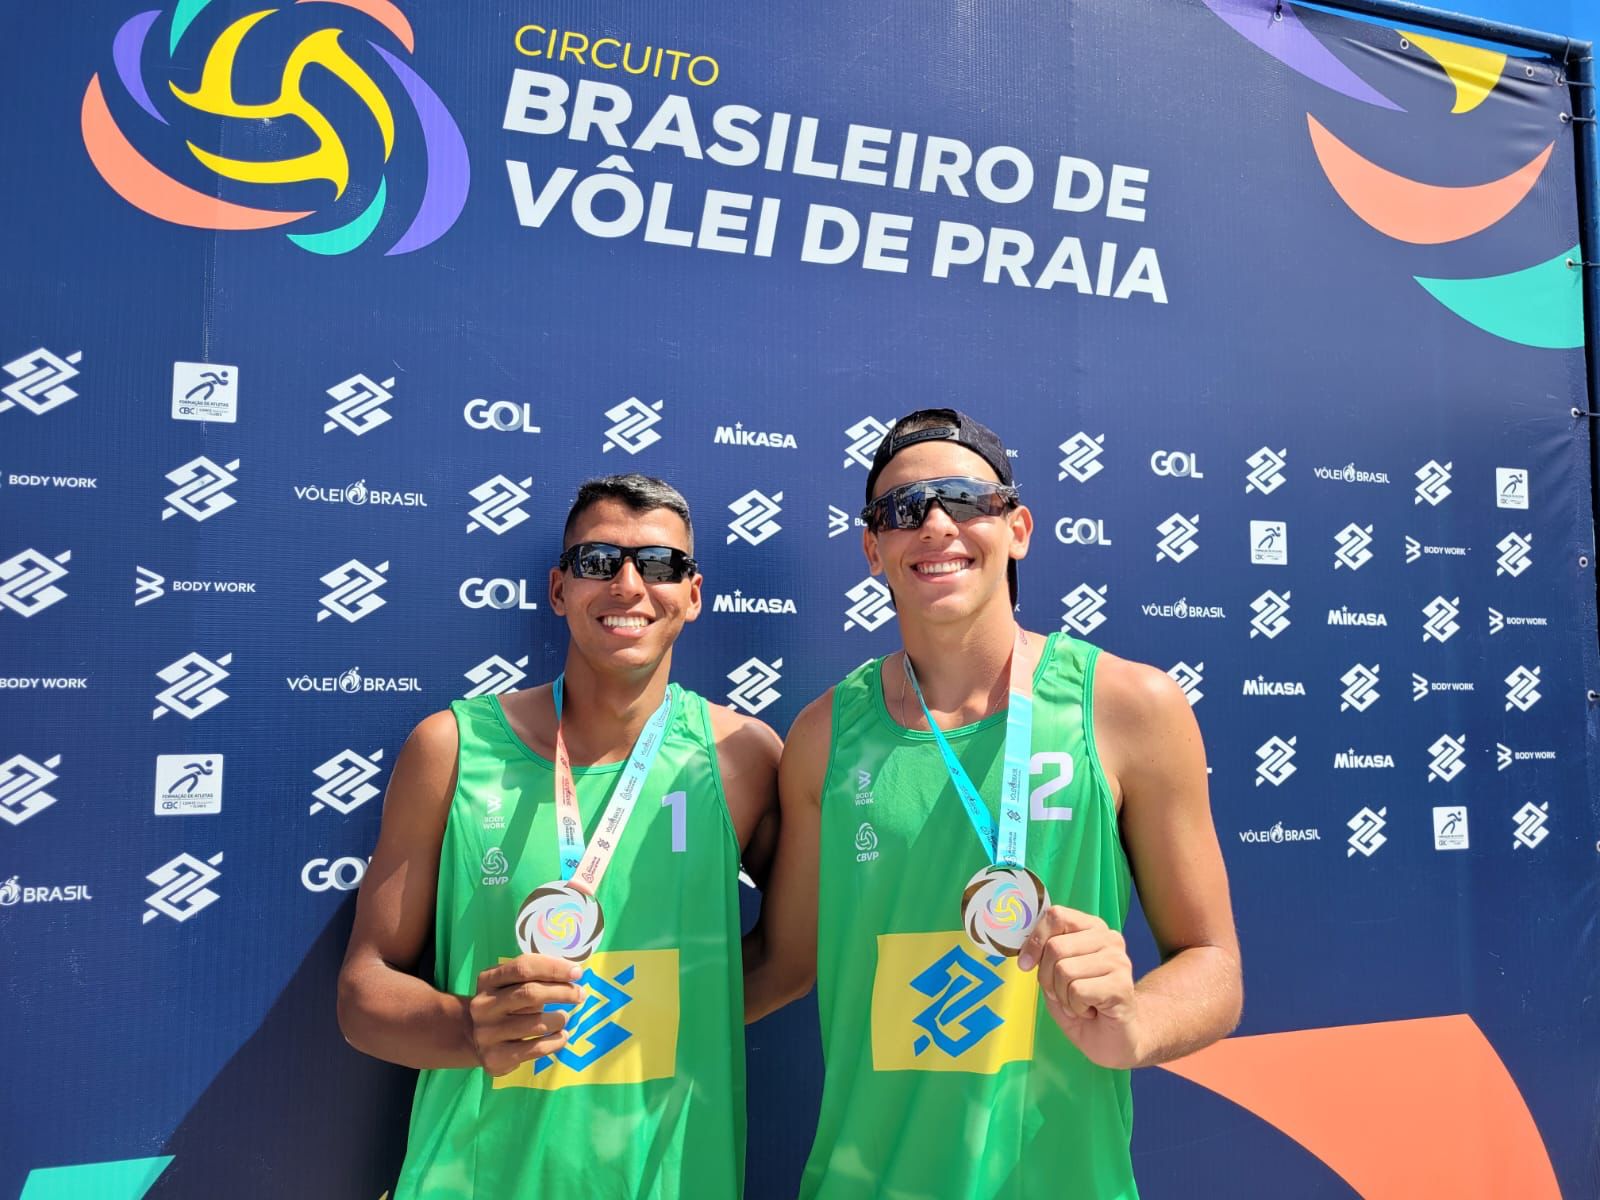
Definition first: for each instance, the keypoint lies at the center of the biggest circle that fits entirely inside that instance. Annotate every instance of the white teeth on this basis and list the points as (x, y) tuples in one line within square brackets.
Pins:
[(624, 622), (943, 568)]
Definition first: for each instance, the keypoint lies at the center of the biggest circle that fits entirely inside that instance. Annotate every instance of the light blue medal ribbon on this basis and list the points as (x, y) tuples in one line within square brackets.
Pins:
[(589, 864), (1007, 846)]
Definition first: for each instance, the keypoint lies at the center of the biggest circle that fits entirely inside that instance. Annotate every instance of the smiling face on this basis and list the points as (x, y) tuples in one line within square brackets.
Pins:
[(623, 622), (946, 572)]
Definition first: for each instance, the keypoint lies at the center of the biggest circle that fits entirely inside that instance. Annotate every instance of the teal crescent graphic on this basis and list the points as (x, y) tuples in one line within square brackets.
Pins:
[(129, 1179), (185, 12), (1541, 306), (347, 237)]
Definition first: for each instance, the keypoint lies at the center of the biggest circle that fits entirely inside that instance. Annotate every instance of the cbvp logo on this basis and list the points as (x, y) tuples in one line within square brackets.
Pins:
[(22, 787), (632, 426), (259, 189), (754, 683), (753, 515), (358, 405), (39, 381), (28, 581)]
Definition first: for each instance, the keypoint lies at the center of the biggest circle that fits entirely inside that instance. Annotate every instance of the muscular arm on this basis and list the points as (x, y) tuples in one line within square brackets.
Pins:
[(384, 1008), (747, 755), (780, 953), (1147, 726)]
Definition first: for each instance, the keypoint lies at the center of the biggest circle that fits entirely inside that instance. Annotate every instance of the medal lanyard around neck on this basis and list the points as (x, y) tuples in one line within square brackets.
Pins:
[(589, 865), (1007, 847)]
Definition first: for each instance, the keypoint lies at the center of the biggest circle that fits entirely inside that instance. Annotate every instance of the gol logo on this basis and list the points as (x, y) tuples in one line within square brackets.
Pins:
[(276, 186)]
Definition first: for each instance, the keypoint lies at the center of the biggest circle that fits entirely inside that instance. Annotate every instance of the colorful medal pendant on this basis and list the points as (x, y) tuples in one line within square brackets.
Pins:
[(560, 920), (1000, 907)]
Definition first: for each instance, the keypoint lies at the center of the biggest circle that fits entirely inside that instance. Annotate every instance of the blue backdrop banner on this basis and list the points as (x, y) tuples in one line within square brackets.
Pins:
[(316, 316)]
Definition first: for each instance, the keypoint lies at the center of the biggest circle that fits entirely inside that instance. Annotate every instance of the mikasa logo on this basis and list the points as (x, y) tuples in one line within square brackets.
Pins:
[(740, 603), (737, 435)]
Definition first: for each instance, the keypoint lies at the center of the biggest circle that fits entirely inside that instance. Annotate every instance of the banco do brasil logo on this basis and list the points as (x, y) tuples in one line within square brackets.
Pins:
[(288, 117)]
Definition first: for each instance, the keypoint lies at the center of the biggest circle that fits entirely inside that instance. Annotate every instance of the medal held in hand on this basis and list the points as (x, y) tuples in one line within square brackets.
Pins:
[(1003, 902), (562, 918)]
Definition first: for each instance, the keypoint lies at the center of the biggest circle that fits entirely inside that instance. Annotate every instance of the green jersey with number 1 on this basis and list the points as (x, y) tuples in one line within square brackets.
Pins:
[(946, 1075), (647, 1097)]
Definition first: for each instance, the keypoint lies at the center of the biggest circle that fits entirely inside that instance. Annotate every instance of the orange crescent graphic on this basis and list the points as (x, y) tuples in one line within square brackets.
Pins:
[(141, 184), (1401, 1110), (384, 13), (1421, 213)]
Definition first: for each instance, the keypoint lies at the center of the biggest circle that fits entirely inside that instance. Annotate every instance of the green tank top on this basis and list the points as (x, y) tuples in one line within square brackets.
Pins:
[(647, 1097), (945, 1074)]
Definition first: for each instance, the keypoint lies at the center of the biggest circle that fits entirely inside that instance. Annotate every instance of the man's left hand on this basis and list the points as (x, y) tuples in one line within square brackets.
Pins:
[(1087, 979)]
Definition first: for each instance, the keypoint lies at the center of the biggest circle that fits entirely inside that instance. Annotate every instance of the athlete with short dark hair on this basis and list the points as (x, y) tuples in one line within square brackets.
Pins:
[(571, 853), (962, 821)]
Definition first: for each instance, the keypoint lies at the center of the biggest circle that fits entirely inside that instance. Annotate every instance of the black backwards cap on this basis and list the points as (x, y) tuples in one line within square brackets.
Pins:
[(947, 425)]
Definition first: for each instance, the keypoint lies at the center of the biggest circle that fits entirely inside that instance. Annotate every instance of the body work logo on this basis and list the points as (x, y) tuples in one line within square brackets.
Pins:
[(28, 581), (632, 425), (39, 381), (264, 186), (346, 781), (191, 686), (182, 887), (358, 405), (22, 787), (754, 683), (200, 489), (753, 515)]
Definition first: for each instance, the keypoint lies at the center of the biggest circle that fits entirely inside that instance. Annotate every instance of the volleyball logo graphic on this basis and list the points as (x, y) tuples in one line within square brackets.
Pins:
[(1000, 906), (560, 920), (294, 163)]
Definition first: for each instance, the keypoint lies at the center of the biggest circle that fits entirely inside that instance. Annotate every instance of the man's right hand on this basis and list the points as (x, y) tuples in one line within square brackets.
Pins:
[(510, 1015)]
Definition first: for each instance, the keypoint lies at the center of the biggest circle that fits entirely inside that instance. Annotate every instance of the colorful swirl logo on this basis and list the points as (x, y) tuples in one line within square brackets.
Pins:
[(1000, 907), (559, 919), (214, 106)]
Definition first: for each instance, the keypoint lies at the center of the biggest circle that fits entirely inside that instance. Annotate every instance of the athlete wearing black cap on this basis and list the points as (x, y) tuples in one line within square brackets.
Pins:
[(962, 824)]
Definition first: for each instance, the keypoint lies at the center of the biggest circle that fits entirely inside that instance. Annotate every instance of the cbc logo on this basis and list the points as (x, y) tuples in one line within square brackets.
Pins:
[(1082, 531), (502, 415), (478, 592), (1180, 464), (335, 874)]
